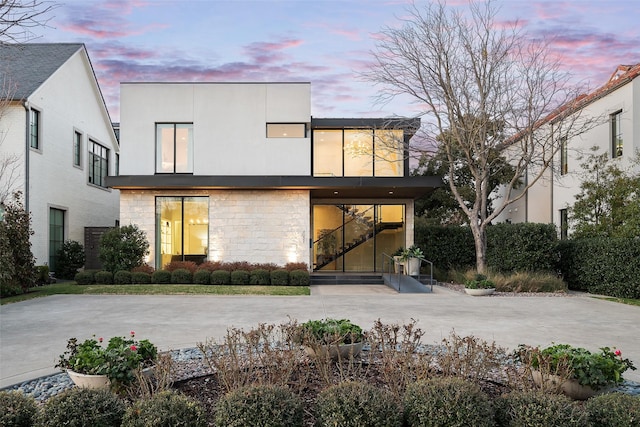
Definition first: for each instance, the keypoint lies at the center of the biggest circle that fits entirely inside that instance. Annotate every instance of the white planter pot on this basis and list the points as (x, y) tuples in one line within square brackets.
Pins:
[(335, 352), (89, 381), (412, 267), (398, 264), (479, 292), (570, 387)]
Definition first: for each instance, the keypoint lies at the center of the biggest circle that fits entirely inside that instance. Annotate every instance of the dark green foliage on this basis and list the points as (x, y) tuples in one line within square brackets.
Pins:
[(69, 259), (522, 247), (123, 248), (299, 278), (181, 276), (607, 266), (42, 275), (220, 277), (161, 277), (614, 410), (447, 401), (356, 404), (80, 407), (17, 263), (535, 409), (165, 409), (240, 277), (122, 277), (17, 409), (104, 277), (202, 277), (260, 277), (280, 277), (259, 406), (332, 330), (140, 277), (85, 278), (447, 247)]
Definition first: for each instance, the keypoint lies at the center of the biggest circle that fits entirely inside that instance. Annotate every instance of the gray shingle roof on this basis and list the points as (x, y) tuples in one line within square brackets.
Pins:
[(27, 66)]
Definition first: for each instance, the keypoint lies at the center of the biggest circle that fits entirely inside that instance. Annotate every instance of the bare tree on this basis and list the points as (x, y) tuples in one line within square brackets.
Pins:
[(19, 17), (495, 92), (10, 165)]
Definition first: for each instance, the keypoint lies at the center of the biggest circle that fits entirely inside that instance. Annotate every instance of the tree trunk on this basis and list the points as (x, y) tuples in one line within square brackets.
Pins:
[(480, 241)]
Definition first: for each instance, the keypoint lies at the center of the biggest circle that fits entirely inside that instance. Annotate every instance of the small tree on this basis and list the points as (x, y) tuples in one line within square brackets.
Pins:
[(123, 248), (70, 258), (17, 263)]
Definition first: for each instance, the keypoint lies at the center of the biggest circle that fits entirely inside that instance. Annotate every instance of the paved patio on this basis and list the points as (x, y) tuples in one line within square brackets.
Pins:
[(33, 333)]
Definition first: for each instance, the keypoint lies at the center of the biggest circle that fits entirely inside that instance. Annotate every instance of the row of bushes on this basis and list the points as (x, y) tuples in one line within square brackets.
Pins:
[(433, 402), (277, 277), (228, 266)]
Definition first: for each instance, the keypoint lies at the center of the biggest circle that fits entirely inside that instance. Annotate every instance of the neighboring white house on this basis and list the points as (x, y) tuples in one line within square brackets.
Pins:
[(242, 172), (615, 111), (56, 125)]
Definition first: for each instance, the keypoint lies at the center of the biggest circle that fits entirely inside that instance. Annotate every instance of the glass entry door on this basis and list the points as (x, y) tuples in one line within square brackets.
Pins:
[(354, 237)]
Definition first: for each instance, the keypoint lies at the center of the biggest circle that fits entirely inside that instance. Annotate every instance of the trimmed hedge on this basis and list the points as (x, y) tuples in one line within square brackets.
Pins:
[(202, 277), (447, 247), (536, 408), (280, 277), (614, 410), (259, 405), (221, 277), (17, 409), (161, 277), (84, 278), (299, 278), (240, 277), (140, 277), (260, 277), (181, 276), (122, 277), (165, 409), (80, 407), (104, 277), (522, 247), (602, 265)]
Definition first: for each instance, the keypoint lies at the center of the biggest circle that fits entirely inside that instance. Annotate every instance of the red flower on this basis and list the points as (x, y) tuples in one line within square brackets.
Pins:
[(133, 348), (132, 333), (100, 339), (618, 353)]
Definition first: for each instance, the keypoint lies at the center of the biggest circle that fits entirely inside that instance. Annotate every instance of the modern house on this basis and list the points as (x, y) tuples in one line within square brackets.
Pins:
[(56, 133), (614, 113), (242, 172)]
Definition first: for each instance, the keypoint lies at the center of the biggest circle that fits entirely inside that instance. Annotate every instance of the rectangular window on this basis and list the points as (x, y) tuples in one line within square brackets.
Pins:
[(327, 152), (358, 152), (564, 160), (564, 223), (286, 130), (117, 164), (98, 163), (34, 129), (388, 151), (77, 148), (56, 235), (174, 147), (616, 134)]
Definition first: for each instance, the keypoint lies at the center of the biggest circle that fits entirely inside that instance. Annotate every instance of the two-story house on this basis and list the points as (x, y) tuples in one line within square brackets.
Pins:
[(242, 172), (55, 127)]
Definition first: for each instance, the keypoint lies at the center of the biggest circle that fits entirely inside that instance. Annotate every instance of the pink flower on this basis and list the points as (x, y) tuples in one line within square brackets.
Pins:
[(132, 333), (618, 353), (133, 348), (100, 339)]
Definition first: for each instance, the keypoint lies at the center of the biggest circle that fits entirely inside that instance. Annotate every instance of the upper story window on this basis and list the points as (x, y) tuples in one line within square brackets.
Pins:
[(616, 134), (564, 156), (174, 147), (286, 130), (77, 148), (34, 129), (98, 163), (358, 152)]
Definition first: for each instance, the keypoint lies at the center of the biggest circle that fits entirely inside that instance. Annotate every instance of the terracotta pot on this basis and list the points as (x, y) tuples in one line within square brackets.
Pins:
[(479, 292), (570, 387), (341, 351), (89, 381)]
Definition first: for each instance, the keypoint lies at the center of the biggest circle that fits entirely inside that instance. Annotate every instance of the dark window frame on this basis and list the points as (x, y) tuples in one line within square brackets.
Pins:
[(174, 124), (98, 163), (564, 156), (35, 129), (616, 134), (77, 148)]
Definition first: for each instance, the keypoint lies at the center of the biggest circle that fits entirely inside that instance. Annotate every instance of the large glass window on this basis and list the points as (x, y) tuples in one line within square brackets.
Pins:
[(98, 163), (174, 148), (56, 235), (358, 153), (182, 229), (34, 129), (286, 130), (327, 153), (616, 134), (388, 151)]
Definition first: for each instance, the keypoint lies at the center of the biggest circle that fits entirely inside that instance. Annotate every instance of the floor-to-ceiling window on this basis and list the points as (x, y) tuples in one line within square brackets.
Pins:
[(350, 237), (182, 229), (56, 235)]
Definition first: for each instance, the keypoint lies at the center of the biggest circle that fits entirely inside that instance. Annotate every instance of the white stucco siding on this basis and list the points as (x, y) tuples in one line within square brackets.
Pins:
[(12, 147)]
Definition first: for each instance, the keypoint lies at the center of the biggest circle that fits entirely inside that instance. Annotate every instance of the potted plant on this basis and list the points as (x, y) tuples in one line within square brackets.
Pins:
[(412, 258), (337, 338), (398, 260), (479, 286), (91, 365), (575, 371)]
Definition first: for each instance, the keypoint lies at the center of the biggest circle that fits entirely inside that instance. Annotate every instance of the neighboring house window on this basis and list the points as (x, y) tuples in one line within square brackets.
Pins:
[(616, 134), (117, 164), (98, 163), (174, 147), (564, 224), (286, 130), (564, 158), (77, 148), (56, 235), (34, 129)]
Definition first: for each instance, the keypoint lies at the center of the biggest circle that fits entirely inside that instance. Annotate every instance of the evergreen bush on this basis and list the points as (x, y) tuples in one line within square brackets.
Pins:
[(84, 278), (522, 247), (614, 410), (104, 277), (240, 277), (280, 277), (140, 278), (122, 248), (165, 409), (69, 259), (82, 407), (17, 262), (220, 277), (181, 276), (260, 277), (17, 409), (202, 277), (161, 277), (122, 277), (42, 275), (536, 408), (299, 278)]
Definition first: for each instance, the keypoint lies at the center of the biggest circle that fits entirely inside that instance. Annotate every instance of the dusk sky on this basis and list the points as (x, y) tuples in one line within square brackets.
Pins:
[(325, 42)]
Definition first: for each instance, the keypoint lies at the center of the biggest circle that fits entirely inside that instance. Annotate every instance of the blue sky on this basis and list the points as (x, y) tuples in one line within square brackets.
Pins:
[(326, 42)]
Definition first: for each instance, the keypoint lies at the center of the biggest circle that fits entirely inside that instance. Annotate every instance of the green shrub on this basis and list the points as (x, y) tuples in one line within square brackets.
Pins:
[(122, 277), (220, 277), (447, 247), (536, 408), (69, 259), (614, 410), (42, 275), (122, 248), (356, 404), (84, 278), (140, 277), (299, 278), (81, 407), (161, 277), (165, 409), (260, 405), (260, 277), (280, 277), (202, 277), (240, 277), (522, 247), (16, 259), (104, 277), (17, 409), (447, 401), (181, 276)]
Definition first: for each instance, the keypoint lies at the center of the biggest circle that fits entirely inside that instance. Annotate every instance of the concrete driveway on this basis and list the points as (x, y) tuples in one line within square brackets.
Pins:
[(33, 333)]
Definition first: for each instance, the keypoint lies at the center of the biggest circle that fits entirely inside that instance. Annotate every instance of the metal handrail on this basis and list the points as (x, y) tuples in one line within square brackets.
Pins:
[(398, 275)]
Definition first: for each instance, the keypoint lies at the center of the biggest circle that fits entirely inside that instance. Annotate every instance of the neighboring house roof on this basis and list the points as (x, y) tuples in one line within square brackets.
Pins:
[(27, 66)]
